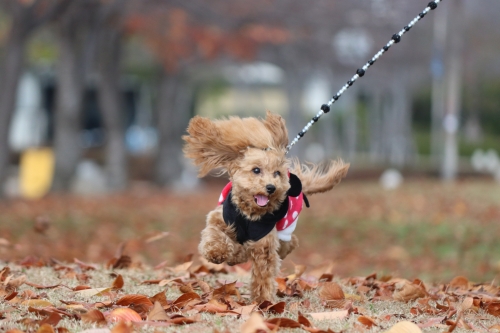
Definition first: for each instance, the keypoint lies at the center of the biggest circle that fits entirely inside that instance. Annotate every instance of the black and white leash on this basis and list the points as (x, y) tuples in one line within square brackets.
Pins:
[(396, 38)]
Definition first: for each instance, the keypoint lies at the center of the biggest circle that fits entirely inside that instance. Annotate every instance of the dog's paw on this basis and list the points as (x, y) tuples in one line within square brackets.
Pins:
[(215, 257)]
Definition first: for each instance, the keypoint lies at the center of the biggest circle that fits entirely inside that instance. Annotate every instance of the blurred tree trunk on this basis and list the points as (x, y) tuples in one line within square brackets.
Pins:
[(454, 72), (174, 109), (112, 107), (401, 149), (25, 19), (375, 126), (69, 100), (11, 69)]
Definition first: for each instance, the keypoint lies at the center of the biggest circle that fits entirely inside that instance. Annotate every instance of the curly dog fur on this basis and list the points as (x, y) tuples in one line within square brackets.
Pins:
[(253, 153)]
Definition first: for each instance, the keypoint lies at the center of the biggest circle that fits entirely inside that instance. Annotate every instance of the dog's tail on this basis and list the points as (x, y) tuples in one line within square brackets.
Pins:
[(319, 178)]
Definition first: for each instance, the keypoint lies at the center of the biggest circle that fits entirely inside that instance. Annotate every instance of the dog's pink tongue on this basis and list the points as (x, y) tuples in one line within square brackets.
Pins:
[(261, 200)]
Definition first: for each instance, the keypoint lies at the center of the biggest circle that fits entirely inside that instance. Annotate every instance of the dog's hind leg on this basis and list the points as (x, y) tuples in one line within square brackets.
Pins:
[(265, 268), (218, 243)]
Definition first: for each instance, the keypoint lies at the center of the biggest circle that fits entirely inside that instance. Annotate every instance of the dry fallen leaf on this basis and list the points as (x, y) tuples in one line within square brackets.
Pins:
[(331, 291), (493, 309), (118, 283), (227, 289), (283, 322), (185, 298), (341, 314), (409, 292), (204, 286), (367, 321), (303, 320), (134, 300), (459, 282), (157, 313), (45, 328), (124, 314), (93, 316), (37, 303), (92, 292), (404, 327), (181, 320), (122, 327), (161, 298), (253, 324)]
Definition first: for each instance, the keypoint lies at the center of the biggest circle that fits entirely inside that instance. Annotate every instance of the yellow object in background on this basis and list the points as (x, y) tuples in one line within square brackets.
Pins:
[(36, 172)]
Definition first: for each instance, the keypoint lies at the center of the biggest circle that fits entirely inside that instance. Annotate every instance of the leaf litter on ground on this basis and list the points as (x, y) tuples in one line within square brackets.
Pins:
[(47, 299)]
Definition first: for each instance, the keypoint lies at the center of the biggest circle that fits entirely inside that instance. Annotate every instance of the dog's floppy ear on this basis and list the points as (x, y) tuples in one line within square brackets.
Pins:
[(207, 145), (276, 126)]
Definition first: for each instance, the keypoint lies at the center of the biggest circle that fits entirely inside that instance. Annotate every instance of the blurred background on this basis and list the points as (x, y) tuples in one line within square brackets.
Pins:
[(96, 94)]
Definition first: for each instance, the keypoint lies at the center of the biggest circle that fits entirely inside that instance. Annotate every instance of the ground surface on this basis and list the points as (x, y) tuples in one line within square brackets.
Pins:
[(444, 235)]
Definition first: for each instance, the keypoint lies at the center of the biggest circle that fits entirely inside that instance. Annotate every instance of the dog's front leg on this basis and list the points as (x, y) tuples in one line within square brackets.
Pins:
[(286, 247), (265, 268), (218, 243)]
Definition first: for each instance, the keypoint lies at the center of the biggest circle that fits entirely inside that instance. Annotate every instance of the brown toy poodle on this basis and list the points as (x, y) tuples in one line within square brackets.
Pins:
[(258, 209)]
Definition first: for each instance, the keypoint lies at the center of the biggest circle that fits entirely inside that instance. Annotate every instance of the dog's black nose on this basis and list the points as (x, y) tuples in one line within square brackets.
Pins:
[(270, 188)]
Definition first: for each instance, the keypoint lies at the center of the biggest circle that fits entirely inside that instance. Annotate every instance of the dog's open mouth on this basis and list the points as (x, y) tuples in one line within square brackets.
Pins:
[(261, 200)]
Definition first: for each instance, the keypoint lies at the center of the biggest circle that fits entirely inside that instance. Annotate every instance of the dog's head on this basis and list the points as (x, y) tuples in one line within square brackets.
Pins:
[(252, 151)]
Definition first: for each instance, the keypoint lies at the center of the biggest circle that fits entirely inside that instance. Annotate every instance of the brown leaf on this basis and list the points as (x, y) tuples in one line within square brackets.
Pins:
[(281, 284), (283, 322), (122, 262), (53, 319), (459, 282), (161, 298), (78, 288), (124, 314), (493, 308), (181, 320), (185, 298), (15, 283), (330, 291), (134, 300), (39, 286), (227, 289), (186, 288), (84, 266), (276, 308), (37, 303), (122, 327), (466, 304), (326, 277), (213, 306), (304, 321), (367, 321), (204, 286), (93, 316), (404, 327), (254, 324), (329, 315), (409, 292), (305, 285), (157, 313), (45, 328), (245, 310), (118, 283), (182, 267)]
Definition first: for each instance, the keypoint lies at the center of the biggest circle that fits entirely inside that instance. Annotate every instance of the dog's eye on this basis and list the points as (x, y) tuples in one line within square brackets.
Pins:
[(277, 174), (256, 170)]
